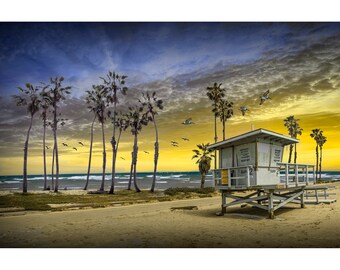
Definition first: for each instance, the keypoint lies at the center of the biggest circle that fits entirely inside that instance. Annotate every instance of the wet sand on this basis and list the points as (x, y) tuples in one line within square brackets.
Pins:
[(158, 225)]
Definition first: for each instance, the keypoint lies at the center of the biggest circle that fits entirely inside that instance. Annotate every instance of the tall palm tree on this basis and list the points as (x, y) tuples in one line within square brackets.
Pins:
[(91, 101), (224, 110), (152, 103), (316, 133), (297, 131), (122, 123), (44, 105), (322, 140), (204, 156), (138, 119), (114, 83), (29, 97), (57, 94), (215, 93)]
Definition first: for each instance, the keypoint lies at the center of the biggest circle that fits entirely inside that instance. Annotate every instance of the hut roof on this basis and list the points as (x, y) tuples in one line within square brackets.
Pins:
[(253, 136)]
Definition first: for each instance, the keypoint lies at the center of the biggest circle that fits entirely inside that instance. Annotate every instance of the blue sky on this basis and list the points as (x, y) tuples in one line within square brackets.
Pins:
[(32, 52)]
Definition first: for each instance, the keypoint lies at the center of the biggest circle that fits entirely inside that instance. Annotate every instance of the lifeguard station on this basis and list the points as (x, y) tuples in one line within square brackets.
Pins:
[(253, 162)]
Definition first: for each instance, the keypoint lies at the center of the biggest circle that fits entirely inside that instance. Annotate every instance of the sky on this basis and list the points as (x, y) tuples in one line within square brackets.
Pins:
[(298, 62)]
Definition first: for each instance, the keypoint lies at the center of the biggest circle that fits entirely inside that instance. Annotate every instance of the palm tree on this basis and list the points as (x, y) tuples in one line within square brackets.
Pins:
[(215, 93), (204, 156), (322, 140), (138, 119), (131, 171), (122, 123), (29, 97), (151, 103), (113, 83), (45, 104), (294, 129), (92, 105), (224, 110), (316, 133), (57, 93)]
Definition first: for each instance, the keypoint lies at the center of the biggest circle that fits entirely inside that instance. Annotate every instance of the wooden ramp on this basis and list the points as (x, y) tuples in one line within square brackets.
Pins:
[(319, 194)]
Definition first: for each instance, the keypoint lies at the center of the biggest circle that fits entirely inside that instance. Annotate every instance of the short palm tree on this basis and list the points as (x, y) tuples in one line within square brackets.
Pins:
[(57, 94), (215, 93), (224, 110), (28, 97), (112, 84), (322, 140), (122, 123), (151, 103), (137, 119), (204, 156), (294, 129), (316, 134)]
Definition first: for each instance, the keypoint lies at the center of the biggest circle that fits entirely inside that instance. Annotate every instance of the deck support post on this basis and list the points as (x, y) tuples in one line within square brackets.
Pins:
[(303, 199), (270, 204)]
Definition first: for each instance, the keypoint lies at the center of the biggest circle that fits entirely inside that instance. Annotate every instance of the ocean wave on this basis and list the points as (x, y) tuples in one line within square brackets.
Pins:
[(176, 175), (10, 182), (162, 182), (123, 182)]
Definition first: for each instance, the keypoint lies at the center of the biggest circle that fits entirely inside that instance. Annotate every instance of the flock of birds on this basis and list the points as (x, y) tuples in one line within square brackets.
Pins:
[(66, 145)]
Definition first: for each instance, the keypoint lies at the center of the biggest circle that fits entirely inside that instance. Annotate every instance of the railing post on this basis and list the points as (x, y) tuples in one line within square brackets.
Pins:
[(229, 178), (287, 173), (296, 168), (213, 175), (307, 174), (248, 177), (314, 175)]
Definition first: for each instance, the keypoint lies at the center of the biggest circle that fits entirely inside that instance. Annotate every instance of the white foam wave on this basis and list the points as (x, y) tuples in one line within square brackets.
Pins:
[(10, 182)]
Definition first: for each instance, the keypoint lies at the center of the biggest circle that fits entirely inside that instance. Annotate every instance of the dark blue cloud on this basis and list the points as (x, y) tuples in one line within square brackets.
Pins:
[(32, 52)]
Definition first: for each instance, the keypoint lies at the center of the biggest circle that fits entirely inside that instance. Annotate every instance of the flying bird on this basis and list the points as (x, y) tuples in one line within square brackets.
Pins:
[(64, 144), (264, 97), (173, 142), (244, 109), (146, 152), (122, 158), (75, 148), (47, 147), (185, 139), (81, 143), (187, 121), (175, 145)]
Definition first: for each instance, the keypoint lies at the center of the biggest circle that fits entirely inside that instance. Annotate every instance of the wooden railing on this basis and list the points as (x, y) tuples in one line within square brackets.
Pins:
[(296, 174), (233, 176)]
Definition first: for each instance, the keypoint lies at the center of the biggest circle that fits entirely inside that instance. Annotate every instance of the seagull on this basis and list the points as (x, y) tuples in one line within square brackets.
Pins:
[(146, 152), (75, 148), (185, 139), (47, 147), (122, 158), (244, 109), (64, 144), (173, 142), (81, 143), (264, 97), (188, 121), (175, 145)]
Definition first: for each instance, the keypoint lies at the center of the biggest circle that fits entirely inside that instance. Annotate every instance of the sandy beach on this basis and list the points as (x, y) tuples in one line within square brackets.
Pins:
[(159, 225)]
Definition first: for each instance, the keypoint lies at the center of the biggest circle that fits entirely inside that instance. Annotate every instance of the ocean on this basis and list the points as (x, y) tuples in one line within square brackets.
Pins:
[(144, 180), (164, 180)]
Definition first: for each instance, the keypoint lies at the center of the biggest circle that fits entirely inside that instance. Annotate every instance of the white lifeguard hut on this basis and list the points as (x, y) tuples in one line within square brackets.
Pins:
[(253, 161)]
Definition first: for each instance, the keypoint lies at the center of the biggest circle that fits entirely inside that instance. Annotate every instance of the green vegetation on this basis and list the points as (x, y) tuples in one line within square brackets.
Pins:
[(61, 201)]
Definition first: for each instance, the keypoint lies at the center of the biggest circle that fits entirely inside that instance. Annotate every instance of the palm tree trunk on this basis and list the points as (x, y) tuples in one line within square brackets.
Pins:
[(90, 155), (131, 170), (215, 138), (135, 154), (223, 123), (114, 148), (320, 162), (114, 159), (295, 154), (104, 159), (56, 161), (155, 157), (202, 180), (290, 153), (53, 155), (317, 160), (44, 154), (24, 182)]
